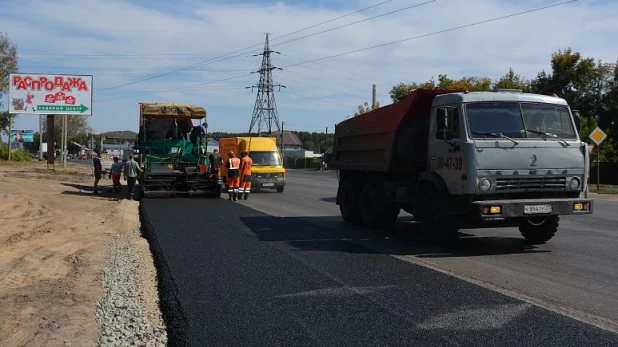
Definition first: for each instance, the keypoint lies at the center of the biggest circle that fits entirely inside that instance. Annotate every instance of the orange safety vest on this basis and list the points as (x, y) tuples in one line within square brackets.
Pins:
[(246, 166), (234, 166)]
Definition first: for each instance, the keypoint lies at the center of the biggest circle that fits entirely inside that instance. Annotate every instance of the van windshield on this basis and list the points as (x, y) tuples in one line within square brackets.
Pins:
[(519, 120), (261, 158)]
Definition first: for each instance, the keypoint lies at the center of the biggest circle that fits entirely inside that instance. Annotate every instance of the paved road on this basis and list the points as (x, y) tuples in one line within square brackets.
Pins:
[(575, 273), (283, 269)]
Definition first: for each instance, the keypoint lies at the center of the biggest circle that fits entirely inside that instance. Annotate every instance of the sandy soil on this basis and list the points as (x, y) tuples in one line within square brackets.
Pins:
[(52, 236)]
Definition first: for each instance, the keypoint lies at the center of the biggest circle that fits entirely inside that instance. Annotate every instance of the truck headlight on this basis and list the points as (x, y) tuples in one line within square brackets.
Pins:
[(485, 185), (574, 183)]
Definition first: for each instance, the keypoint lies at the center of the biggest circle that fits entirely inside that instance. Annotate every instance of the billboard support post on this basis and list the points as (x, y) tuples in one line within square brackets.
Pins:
[(40, 137), (10, 128), (51, 148), (64, 141)]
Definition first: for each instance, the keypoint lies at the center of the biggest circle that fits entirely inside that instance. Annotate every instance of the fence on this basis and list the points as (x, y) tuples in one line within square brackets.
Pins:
[(302, 163)]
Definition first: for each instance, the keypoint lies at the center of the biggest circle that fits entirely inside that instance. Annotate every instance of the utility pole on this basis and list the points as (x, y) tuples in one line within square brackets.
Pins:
[(373, 99), (325, 142), (265, 109), (281, 143)]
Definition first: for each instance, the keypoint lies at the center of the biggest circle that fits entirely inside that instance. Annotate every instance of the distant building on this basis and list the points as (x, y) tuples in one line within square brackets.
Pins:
[(118, 143), (293, 147), (291, 142)]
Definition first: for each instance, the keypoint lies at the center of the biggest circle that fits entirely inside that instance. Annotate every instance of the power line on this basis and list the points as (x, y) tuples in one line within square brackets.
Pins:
[(349, 95), (174, 89), (433, 33), (214, 60), (133, 30), (337, 72), (332, 20), (359, 21), (332, 81)]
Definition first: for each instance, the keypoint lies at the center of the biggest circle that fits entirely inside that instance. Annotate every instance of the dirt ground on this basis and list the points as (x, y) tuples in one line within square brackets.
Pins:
[(52, 236)]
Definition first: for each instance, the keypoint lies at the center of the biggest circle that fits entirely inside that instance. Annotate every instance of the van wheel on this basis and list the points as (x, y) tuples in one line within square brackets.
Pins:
[(348, 203), (375, 213), (280, 189), (539, 230), (437, 227)]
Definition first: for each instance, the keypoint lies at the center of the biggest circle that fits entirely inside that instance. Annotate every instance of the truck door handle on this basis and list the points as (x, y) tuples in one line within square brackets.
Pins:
[(434, 158)]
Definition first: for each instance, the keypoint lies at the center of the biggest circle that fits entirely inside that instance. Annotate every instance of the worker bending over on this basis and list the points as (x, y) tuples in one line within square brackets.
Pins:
[(245, 174), (233, 176)]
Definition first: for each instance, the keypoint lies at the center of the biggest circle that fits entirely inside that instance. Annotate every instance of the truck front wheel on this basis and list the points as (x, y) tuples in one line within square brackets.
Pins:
[(375, 213), (348, 203), (539, 230), (437, 227)]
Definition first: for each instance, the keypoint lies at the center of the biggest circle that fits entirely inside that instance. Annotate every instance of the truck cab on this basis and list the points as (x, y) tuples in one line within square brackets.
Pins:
[(267, 171)]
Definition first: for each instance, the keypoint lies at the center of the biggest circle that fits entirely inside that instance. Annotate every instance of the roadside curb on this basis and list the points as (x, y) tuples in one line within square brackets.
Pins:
[(171, 309)]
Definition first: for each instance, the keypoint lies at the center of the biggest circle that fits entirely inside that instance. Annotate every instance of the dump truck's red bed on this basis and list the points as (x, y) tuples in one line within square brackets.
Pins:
[(375, 141)]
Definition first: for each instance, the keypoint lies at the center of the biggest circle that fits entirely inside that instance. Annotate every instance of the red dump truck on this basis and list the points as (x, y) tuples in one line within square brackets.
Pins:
[(463, 159)]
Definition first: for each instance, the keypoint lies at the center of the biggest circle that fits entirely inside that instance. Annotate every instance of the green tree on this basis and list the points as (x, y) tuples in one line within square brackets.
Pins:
[(8, 65), (511, 81), (364, 108), (77, 126)]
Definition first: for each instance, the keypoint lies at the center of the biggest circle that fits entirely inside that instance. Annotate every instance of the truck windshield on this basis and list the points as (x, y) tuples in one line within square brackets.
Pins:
[(270, 158), (519, 120)]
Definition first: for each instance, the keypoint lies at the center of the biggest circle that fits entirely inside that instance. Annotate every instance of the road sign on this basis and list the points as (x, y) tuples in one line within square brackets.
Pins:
[(590, 148), (50, 94), (598, 136)]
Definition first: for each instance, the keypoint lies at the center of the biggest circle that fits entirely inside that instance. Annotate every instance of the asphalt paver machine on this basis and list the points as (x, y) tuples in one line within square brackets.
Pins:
[(172, 153)]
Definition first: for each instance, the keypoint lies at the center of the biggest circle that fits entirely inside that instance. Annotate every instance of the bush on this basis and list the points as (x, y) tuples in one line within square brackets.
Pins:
[(18, 155)]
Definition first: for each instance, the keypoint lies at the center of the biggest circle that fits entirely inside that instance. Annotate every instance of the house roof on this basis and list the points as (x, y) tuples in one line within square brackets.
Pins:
[(291, 139), (120, 135)]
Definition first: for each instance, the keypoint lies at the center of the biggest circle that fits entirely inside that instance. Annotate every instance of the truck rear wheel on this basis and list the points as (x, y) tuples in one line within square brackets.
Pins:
[(437, 227), (540, 229), (348, 203), (375, 213)]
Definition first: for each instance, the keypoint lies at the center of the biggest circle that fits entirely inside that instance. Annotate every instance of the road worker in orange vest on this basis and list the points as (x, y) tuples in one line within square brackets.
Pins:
[(233, 176), (245, 174)]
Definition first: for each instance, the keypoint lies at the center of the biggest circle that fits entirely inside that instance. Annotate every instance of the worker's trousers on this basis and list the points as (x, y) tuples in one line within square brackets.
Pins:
[(245, 187), (232, 187)]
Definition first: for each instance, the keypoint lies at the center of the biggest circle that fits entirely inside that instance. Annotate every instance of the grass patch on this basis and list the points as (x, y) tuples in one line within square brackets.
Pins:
[(605, 191)]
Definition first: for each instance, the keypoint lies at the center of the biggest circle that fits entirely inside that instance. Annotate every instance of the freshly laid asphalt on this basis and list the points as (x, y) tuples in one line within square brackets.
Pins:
[(230, 275)]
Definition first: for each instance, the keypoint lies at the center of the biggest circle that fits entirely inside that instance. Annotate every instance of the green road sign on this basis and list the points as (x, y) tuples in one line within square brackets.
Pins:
[(64, 108)]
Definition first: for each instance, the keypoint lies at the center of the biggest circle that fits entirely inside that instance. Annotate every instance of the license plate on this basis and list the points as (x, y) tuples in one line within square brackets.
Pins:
[(269, 184), (537, 209)]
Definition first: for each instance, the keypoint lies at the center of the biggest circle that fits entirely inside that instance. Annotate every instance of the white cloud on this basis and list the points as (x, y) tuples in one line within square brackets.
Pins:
[(150, 40)]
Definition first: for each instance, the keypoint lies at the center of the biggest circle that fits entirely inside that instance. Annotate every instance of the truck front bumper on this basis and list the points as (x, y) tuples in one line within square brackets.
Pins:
[(508, 209), (271, 183)]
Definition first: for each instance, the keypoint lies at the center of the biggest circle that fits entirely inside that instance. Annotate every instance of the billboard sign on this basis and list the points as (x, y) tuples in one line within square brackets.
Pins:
[(50, 94), (22, 136)]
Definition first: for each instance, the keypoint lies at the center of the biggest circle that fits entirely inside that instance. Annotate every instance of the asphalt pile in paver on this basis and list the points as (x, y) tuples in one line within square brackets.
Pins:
[(123, 313)]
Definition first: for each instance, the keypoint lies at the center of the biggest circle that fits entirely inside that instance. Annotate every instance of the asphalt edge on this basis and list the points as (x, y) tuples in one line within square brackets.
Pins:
[(171, 309)]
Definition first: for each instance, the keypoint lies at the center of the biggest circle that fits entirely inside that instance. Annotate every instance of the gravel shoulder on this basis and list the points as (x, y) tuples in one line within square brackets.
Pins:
[(65, 254)]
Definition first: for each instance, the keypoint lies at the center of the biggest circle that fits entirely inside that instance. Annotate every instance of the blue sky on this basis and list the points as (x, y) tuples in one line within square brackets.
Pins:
[(119, 42)]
